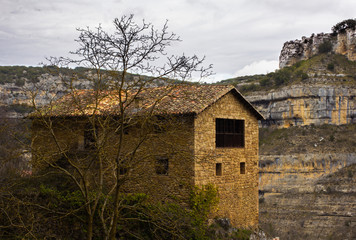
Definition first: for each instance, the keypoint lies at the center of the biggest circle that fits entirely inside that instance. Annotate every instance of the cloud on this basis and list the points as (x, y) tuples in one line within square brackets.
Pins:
[(258, 67), (235, 36)]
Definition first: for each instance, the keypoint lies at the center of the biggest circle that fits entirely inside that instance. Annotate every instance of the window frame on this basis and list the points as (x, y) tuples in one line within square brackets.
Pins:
[(229, 133)]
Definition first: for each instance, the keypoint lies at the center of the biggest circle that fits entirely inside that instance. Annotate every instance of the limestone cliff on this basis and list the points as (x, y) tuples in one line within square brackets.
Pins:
[(342, 43), (307, 182), (306, 104)]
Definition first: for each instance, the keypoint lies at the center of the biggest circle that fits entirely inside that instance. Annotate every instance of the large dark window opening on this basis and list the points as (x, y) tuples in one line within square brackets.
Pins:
[(230, 133)]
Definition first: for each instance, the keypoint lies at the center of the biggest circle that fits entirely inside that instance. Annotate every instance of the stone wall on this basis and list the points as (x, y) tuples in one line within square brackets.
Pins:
[(297, 50), (174, 143), (238, 192)]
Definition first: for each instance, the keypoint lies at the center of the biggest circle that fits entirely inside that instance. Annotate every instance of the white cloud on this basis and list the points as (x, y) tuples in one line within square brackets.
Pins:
[(231, 34), (258, 67)]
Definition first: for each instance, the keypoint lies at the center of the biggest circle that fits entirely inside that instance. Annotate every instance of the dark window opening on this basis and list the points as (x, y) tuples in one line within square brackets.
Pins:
[(242, 167), (162, 166), (90, 136), (218, 169), (123, 167), (159, 124), (230, 133)]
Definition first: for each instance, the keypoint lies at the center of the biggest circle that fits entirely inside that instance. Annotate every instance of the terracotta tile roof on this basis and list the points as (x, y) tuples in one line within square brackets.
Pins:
[(178, 99)]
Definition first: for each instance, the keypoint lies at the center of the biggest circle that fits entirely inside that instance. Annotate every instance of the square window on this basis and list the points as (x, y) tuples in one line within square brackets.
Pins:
[(242, 167), (218, 169), (162, 165), (229, 132)]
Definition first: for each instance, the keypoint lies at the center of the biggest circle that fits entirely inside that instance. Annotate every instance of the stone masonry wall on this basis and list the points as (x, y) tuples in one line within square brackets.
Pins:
[(173, 143), (238, 192)]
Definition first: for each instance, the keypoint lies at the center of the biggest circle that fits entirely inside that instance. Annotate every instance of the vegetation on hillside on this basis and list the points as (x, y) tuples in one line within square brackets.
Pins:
[(331, 68), (308, 139), (21, 74), (48, 206)]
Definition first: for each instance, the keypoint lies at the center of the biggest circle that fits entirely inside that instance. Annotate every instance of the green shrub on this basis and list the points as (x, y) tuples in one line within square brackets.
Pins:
[(20, 82), (330, 67), (342, 26), (282, 76), (301, 74), (266, 82), (248, 88), (325, 47)]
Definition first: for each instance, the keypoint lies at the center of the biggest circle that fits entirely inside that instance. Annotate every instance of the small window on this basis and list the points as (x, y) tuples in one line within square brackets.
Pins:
[(230, 133), (138, 102), (162, 166), (90, 136), (218, 169), (123, 167), (242, 167)]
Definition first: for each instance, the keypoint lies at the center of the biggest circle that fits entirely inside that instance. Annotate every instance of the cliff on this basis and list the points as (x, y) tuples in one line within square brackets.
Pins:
[(302, 104), (307, 182), (343, 43)]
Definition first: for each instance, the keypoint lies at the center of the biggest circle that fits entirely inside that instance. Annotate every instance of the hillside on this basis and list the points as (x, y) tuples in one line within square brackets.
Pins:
[(326, 68), (17, 83), (320, 90)]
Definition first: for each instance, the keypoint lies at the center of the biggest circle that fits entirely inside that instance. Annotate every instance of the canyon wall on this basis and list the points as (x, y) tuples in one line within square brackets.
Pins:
[(300, 105), (308, 196), (297, 50)]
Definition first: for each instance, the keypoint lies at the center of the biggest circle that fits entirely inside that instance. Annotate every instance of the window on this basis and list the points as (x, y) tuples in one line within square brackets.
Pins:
[(90, 136), (218, 169), (162, 166), (230, 133), (123, 167), (242, 167)]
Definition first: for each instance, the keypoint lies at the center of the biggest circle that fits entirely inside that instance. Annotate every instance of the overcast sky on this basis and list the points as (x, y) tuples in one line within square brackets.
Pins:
[(239, 37)]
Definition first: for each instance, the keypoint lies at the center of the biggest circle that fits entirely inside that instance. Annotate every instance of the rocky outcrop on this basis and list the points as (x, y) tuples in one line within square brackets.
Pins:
[(343, 43), (299, 105)]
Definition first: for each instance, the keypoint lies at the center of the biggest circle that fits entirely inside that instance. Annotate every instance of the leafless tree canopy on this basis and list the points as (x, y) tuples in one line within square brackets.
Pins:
[(95, 152)]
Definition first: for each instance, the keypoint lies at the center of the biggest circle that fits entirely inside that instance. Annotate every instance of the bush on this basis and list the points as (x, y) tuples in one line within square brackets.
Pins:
[(20, 82), (248, 88), (330, 67), (265, 82), (282, 76), (325, 47), (342, 26), (302, 75)]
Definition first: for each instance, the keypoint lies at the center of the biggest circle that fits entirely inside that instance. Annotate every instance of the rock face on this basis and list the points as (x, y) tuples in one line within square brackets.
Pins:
[(306, 104), (297, 50), (308, 196)]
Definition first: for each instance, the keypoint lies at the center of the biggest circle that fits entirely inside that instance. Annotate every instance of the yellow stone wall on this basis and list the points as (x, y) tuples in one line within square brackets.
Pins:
[(238, 192), (174, 143), (190, 148)]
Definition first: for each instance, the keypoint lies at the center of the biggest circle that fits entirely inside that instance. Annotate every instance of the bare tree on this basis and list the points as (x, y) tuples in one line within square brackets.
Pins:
[(96, 137)]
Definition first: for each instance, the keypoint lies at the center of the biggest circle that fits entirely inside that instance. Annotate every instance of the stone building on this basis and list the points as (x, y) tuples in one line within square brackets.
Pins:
[(170, 139)]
